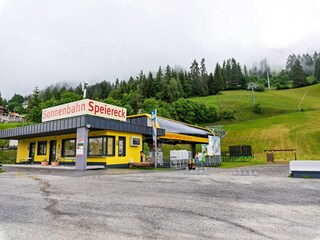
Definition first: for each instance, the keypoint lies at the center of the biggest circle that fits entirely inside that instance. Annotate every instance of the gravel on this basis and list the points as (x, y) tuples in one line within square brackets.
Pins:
[(259, 202)]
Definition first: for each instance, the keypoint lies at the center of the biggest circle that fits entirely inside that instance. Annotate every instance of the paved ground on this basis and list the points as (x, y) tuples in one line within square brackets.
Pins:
[(244, 203)]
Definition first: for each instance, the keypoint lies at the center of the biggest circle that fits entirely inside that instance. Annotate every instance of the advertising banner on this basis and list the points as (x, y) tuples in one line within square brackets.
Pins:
[(214, 147), (80, 145)]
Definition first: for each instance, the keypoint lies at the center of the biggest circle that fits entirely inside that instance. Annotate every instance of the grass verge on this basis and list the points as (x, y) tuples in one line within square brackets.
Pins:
[(235, 164), (8, 156)]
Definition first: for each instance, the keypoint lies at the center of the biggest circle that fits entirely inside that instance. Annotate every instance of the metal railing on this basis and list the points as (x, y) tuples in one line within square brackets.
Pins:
[(173, 162)]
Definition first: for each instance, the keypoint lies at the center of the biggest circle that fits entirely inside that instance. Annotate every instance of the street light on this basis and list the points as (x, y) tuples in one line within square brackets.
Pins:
[(252, 85), (84, 89)]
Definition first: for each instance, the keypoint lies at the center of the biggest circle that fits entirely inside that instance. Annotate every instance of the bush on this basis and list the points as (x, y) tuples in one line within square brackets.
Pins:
[(259, 88), (257, 108), (226, 113), (281, 87)]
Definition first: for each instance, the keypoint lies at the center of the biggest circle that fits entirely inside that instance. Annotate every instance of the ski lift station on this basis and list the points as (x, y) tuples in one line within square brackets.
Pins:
[(88, 132)]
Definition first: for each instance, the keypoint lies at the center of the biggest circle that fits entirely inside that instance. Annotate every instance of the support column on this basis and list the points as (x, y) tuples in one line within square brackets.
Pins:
[(151, 149), (193, 150), (81, 148)]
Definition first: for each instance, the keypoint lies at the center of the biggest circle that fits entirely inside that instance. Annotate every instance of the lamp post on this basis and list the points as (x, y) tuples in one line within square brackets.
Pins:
[(84, 89)]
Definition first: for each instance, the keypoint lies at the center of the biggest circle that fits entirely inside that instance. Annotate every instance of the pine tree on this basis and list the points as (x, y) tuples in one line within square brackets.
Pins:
[(297, 75), (226, 74), (315, 56), (186, 84), (132, 85), (97, 93), (117, 84), (317, 70), (245, 74), (195, 79), (217, 80), (290, 61), (34, 108), (158, 82), (167, 75), (308, 64), (234, 76), (1, 100), (204, 78)]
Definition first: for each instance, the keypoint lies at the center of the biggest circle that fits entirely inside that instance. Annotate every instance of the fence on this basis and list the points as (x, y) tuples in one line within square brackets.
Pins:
[(178, 163), (173, 162), (241, 152), (270, 153)]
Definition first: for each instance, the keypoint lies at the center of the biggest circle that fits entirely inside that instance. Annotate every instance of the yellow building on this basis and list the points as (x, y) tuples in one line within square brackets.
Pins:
[(87, 135)]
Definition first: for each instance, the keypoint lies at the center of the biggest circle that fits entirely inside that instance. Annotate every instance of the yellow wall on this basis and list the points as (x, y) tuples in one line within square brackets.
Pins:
[(132, 153)]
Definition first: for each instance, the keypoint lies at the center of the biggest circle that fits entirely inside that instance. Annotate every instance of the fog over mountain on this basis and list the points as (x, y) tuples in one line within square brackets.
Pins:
[(47, 42)]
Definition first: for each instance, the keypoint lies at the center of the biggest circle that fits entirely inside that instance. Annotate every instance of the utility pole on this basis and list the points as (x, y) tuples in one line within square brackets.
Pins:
[(252, 85), (268, 79)]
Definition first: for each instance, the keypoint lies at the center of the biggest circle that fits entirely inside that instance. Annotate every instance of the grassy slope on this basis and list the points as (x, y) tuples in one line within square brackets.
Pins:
[(281, 126), (9, 125)]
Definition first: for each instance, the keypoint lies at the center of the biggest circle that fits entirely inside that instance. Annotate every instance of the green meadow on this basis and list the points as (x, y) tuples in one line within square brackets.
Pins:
[(286, 122), (9, 125)]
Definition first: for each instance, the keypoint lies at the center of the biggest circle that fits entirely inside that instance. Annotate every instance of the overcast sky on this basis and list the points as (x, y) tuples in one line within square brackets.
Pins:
[(43, 42)]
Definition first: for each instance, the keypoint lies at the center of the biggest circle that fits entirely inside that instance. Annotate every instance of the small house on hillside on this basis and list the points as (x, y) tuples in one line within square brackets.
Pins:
[(3, 110), (6, 116)]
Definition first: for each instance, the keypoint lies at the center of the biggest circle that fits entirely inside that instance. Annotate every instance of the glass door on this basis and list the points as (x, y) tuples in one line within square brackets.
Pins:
[(52, 153), (32, 147)]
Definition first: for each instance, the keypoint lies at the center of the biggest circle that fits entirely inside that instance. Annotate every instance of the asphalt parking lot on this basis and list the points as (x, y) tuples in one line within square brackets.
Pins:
[(245, 203)]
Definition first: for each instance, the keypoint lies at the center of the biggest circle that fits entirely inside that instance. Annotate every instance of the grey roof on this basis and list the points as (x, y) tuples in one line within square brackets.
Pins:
[(70, 125), (171, 126), (182, 128)]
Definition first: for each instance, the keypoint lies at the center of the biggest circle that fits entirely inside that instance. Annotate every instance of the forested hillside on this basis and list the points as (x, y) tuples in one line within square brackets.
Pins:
[(169, 88)]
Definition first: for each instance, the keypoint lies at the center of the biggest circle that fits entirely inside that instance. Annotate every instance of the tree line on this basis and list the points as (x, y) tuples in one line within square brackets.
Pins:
[(168, 88)]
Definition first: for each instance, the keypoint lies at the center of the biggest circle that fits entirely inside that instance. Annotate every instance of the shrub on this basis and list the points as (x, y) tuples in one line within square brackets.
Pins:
[(259, 88), (281, 87), (257, 108), (226, 113)]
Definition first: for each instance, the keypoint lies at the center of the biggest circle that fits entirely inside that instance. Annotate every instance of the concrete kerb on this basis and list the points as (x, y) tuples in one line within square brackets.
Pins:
[(198, 170), (70, 168)]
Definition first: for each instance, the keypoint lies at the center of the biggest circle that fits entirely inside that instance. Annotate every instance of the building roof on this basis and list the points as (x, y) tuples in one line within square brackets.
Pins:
[(182, 128), (175, 130), (70, 125), (168, 130)]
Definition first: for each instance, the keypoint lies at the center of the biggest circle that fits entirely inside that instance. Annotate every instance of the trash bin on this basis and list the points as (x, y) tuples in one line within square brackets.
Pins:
[(270, 157)]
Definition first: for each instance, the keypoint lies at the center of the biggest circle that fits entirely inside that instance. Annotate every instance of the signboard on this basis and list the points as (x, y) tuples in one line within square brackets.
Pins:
[(214, 147), (186, 138), (84, 107), (80, 145)]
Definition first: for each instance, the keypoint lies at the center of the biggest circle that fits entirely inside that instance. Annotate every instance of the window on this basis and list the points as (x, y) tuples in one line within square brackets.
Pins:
[(122, 146), (42, 148), (110, 146), (101, 146), (97, 146), (69, 148)]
